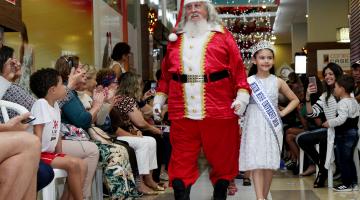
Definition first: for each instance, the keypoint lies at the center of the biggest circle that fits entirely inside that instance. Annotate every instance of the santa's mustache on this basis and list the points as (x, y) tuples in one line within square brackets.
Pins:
[(194, 15)]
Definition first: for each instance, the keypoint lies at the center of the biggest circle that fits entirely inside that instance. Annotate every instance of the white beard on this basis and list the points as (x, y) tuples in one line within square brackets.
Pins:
[(195, 29)]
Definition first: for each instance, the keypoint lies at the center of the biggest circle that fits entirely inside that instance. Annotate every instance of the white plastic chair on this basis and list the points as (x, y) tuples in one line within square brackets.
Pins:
[(49, 192), (13, 106)]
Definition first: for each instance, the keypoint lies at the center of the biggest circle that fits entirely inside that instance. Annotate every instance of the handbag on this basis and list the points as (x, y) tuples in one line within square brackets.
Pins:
[(71, 132), (98, 134)]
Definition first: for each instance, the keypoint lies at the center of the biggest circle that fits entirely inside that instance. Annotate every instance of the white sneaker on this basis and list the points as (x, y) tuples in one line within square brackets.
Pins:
[(343, 188), (355, 187)]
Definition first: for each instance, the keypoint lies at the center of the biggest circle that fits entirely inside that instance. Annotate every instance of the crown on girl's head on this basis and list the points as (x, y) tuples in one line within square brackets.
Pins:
[(263, 44)]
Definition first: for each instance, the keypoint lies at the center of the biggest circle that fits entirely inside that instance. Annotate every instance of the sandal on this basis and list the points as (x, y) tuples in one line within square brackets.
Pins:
[(246, 182)]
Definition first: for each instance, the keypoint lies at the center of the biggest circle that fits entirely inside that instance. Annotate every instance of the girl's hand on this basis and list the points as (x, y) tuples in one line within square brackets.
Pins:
[(310, 90), (325, 124)]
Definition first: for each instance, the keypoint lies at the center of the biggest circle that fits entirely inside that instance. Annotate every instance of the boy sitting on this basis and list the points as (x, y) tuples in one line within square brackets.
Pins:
[(47, 85)]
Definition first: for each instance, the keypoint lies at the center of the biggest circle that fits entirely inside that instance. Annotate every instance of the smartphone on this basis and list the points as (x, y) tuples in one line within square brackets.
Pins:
[(300, 64), (312, 79), (28, 120), (153, 87)]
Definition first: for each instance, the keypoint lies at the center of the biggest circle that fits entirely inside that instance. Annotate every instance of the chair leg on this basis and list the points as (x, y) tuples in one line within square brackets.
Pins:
[(49, 192), (301, 164)]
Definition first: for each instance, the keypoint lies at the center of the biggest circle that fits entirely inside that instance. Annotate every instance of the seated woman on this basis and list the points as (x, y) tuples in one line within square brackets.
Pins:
[(120, 183), (19, 160), (129, 124), (9, 72), (86, 150)]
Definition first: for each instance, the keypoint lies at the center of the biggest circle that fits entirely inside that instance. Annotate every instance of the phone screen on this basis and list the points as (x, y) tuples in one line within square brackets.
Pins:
[(300, 64), (153, 85), (28, 120), (312, 80)]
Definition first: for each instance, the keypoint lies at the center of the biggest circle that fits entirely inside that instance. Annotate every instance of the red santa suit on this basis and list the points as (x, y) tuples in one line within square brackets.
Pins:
[(201, 77)]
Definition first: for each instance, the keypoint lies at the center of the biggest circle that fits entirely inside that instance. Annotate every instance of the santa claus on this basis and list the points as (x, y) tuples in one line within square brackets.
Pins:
[(204, 80)]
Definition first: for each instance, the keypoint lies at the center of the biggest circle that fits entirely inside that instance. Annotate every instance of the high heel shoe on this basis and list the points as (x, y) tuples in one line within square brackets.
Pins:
[(320, 179)]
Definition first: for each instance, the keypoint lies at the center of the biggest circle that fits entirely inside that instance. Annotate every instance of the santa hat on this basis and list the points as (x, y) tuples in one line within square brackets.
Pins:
[(173, 37)]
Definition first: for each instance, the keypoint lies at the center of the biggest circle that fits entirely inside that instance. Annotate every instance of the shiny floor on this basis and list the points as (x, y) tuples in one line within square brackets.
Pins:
[(285, 186)]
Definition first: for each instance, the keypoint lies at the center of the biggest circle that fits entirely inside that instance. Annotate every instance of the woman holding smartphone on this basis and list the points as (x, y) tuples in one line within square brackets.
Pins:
[(325, 104)]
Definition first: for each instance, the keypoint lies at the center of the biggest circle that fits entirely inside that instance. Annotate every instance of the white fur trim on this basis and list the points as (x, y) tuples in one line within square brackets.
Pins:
[(172, 37), (192, 1)]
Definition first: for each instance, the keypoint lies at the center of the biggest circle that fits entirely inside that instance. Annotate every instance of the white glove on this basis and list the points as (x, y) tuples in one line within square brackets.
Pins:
[(240, 103), (159, 101), (157, 112)]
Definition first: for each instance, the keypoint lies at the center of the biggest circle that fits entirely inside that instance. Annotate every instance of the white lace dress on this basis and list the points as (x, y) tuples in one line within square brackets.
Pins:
[(259, 148)]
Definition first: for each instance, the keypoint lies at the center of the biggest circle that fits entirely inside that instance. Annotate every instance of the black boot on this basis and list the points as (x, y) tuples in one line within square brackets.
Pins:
[(220, 189), (180, 192)]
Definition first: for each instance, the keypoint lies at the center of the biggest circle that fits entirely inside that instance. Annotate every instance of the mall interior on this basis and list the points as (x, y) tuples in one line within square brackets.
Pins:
[(322, 31)]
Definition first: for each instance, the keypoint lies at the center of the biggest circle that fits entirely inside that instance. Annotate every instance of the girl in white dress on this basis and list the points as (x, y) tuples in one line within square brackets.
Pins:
[(261, 143)]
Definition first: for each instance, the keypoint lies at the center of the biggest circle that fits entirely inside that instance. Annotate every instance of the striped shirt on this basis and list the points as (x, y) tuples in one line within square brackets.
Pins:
[(329, 108)]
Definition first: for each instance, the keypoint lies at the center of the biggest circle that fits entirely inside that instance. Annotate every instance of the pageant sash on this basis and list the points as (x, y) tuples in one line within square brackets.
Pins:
[(265, 105)]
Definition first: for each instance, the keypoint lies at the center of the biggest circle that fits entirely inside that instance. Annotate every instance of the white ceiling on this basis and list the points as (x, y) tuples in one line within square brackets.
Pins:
[(288, 13)]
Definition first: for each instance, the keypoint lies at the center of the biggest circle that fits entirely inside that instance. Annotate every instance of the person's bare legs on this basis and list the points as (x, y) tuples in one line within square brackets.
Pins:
[(258, 179), (142, 187), (149, 181), (268, 175), (75, 178), (20, 154)]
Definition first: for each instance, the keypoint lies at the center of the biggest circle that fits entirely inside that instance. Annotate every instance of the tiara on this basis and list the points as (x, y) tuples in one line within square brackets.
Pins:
[(262, 44)]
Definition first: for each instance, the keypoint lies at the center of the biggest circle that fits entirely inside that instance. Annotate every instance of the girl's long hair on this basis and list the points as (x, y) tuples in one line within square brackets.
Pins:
[(336, 69), (253, 69)]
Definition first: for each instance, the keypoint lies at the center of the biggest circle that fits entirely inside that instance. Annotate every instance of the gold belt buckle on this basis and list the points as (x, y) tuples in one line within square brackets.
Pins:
[(193, 78)]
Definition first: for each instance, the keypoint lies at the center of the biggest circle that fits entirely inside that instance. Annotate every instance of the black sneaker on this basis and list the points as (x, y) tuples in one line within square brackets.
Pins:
[(343, 188)]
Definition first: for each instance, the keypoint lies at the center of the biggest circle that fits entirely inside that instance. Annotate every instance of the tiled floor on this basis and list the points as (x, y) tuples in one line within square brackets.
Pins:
[(284, 187)]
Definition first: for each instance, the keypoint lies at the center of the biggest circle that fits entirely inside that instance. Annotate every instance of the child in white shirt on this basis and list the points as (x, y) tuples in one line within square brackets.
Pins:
[(346, 132), (47, 85)]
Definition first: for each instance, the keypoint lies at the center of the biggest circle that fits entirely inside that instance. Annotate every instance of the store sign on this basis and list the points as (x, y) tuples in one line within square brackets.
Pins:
[(338, 56), (11, 1)]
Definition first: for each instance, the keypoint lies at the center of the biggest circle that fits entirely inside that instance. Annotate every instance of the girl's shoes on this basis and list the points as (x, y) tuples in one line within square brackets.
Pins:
[(246, 182)]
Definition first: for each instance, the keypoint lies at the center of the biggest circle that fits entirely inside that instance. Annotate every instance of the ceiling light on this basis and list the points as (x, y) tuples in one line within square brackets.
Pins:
[(307, 16)]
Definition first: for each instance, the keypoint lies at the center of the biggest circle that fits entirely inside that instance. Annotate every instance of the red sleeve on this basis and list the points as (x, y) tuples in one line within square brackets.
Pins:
[(163, 84), (237, 67)]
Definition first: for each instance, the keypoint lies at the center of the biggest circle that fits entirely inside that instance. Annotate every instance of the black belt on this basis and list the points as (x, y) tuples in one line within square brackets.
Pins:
[(190, 78)]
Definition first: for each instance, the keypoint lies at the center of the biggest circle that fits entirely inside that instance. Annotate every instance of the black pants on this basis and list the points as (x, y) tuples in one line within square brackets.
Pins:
[(45, 175), (307, 141), (346, 142)]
